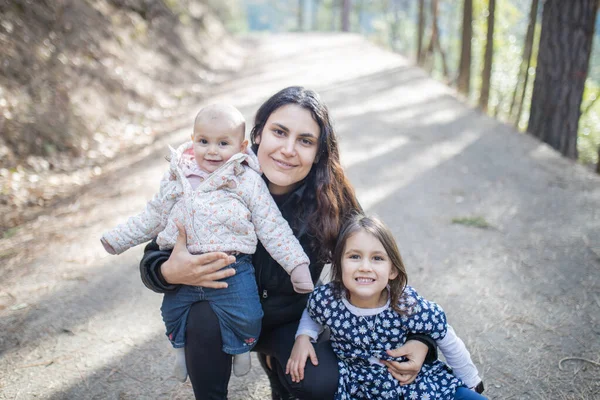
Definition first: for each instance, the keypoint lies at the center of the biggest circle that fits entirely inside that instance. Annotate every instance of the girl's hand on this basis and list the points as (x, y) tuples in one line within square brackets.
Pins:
[(406, 372), (183, 268), (303, 349)]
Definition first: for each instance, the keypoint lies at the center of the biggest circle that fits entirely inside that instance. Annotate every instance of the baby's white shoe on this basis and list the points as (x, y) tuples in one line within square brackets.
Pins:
[(241, 364), (179, 369)]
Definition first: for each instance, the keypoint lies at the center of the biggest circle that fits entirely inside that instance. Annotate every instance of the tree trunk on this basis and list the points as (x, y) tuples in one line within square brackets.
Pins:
[(315, 15), (434, 42), (420, 32), (524, 68), (333, 14), (486, 74), (395, 24), (563, 61), (464, 67), (346, 6), (436, 36), (300, 15)]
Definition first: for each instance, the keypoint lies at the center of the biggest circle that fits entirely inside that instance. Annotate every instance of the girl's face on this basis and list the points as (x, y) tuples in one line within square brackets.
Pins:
[(366, 270), (288, 146)]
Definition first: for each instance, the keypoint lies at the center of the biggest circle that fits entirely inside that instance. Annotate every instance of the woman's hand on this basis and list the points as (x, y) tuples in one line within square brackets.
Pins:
[(183, 268), (303, 349), (406, 372)]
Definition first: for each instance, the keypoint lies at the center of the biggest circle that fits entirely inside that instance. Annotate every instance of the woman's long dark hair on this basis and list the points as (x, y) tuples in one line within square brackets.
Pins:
[(355, 223), (327, 185)]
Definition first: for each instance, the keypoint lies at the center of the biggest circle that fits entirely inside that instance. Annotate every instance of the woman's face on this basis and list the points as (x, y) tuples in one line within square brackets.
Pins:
[(288, 146)]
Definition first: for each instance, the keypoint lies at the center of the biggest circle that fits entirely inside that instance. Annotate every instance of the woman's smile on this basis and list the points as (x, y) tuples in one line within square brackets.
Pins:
[(283, 164)]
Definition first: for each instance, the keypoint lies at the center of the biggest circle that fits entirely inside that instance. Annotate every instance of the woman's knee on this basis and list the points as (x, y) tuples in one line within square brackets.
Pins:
[(320, 381)]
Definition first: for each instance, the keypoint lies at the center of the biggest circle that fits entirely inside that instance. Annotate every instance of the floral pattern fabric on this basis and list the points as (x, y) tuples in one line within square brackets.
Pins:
[(360, 341)]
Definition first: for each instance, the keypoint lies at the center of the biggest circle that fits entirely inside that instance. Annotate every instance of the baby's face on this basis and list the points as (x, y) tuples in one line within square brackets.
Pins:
[(216, 142)]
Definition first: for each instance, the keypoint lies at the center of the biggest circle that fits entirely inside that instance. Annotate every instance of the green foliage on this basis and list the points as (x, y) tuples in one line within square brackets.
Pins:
[(10, 232), (589, 124)]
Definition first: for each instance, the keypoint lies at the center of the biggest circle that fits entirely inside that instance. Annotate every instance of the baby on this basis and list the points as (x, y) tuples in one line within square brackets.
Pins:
[(215, 190)]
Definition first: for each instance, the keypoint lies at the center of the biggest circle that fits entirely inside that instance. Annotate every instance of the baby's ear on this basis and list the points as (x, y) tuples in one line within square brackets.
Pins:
[(244, 146)]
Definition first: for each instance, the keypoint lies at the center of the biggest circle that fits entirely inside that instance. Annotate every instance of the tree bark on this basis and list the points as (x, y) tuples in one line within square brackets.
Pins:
[(346, 6), (420, 32), (464, 67), (524, 68), (486, 74), (563, 61)]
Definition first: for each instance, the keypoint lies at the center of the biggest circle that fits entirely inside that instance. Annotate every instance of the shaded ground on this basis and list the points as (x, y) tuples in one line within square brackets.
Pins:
[(523, 293)]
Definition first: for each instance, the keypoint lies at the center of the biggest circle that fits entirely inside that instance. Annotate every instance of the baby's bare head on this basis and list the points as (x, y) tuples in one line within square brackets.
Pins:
[(220, 120)]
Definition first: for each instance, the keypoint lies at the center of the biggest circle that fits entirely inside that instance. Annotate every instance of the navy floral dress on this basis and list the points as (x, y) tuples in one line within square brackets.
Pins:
[(358, 341)]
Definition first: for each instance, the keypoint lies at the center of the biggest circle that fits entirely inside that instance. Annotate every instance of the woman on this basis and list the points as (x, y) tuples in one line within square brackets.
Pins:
[(297, 148)]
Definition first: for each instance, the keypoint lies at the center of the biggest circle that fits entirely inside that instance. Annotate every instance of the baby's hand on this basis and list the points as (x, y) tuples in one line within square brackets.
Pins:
[(301, 279), (107, 246), (303, 349)]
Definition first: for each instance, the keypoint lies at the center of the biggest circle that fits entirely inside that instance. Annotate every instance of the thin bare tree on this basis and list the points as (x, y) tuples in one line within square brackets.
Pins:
[(523, 77), (315, 14), (346, 7), (464, 67), (434, 41), (486, 74), (420, 32), (300, 15)]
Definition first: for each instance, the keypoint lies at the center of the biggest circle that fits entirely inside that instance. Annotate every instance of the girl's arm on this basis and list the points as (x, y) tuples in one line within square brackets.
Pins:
[(308, 331), (308, 327), (430, 321), (458, 357)]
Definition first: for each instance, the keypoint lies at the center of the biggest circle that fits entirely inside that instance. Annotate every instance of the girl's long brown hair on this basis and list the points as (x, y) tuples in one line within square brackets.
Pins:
[(372, 225), (329, 197)]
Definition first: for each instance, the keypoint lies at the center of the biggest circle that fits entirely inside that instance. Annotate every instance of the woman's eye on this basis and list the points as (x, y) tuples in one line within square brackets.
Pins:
[(354, 256), (307, 142), (378, 258), (279, 132)]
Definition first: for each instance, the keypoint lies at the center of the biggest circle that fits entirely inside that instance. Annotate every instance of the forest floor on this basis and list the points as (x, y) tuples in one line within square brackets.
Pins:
[(493, 225)]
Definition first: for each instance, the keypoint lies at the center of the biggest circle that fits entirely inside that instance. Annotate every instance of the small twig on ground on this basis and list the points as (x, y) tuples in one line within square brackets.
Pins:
[(39, 364), (596, 363)]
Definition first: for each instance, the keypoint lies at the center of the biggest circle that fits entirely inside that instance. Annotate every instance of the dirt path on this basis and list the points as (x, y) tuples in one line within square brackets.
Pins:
[(523, 293)]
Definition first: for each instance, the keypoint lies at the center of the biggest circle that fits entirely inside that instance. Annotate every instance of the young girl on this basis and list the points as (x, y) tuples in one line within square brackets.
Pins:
[(214, 189), (369, 310)]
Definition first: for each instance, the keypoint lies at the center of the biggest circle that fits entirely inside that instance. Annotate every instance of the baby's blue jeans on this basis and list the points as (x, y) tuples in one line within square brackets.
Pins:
[(237, 307)]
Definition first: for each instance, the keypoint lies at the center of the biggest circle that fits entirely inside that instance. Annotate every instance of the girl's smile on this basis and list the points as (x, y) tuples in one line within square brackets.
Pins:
[(366, 270)]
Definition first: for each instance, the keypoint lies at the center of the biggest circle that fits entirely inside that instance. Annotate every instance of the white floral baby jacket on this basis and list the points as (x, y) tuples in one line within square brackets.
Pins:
[(229, 211)]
